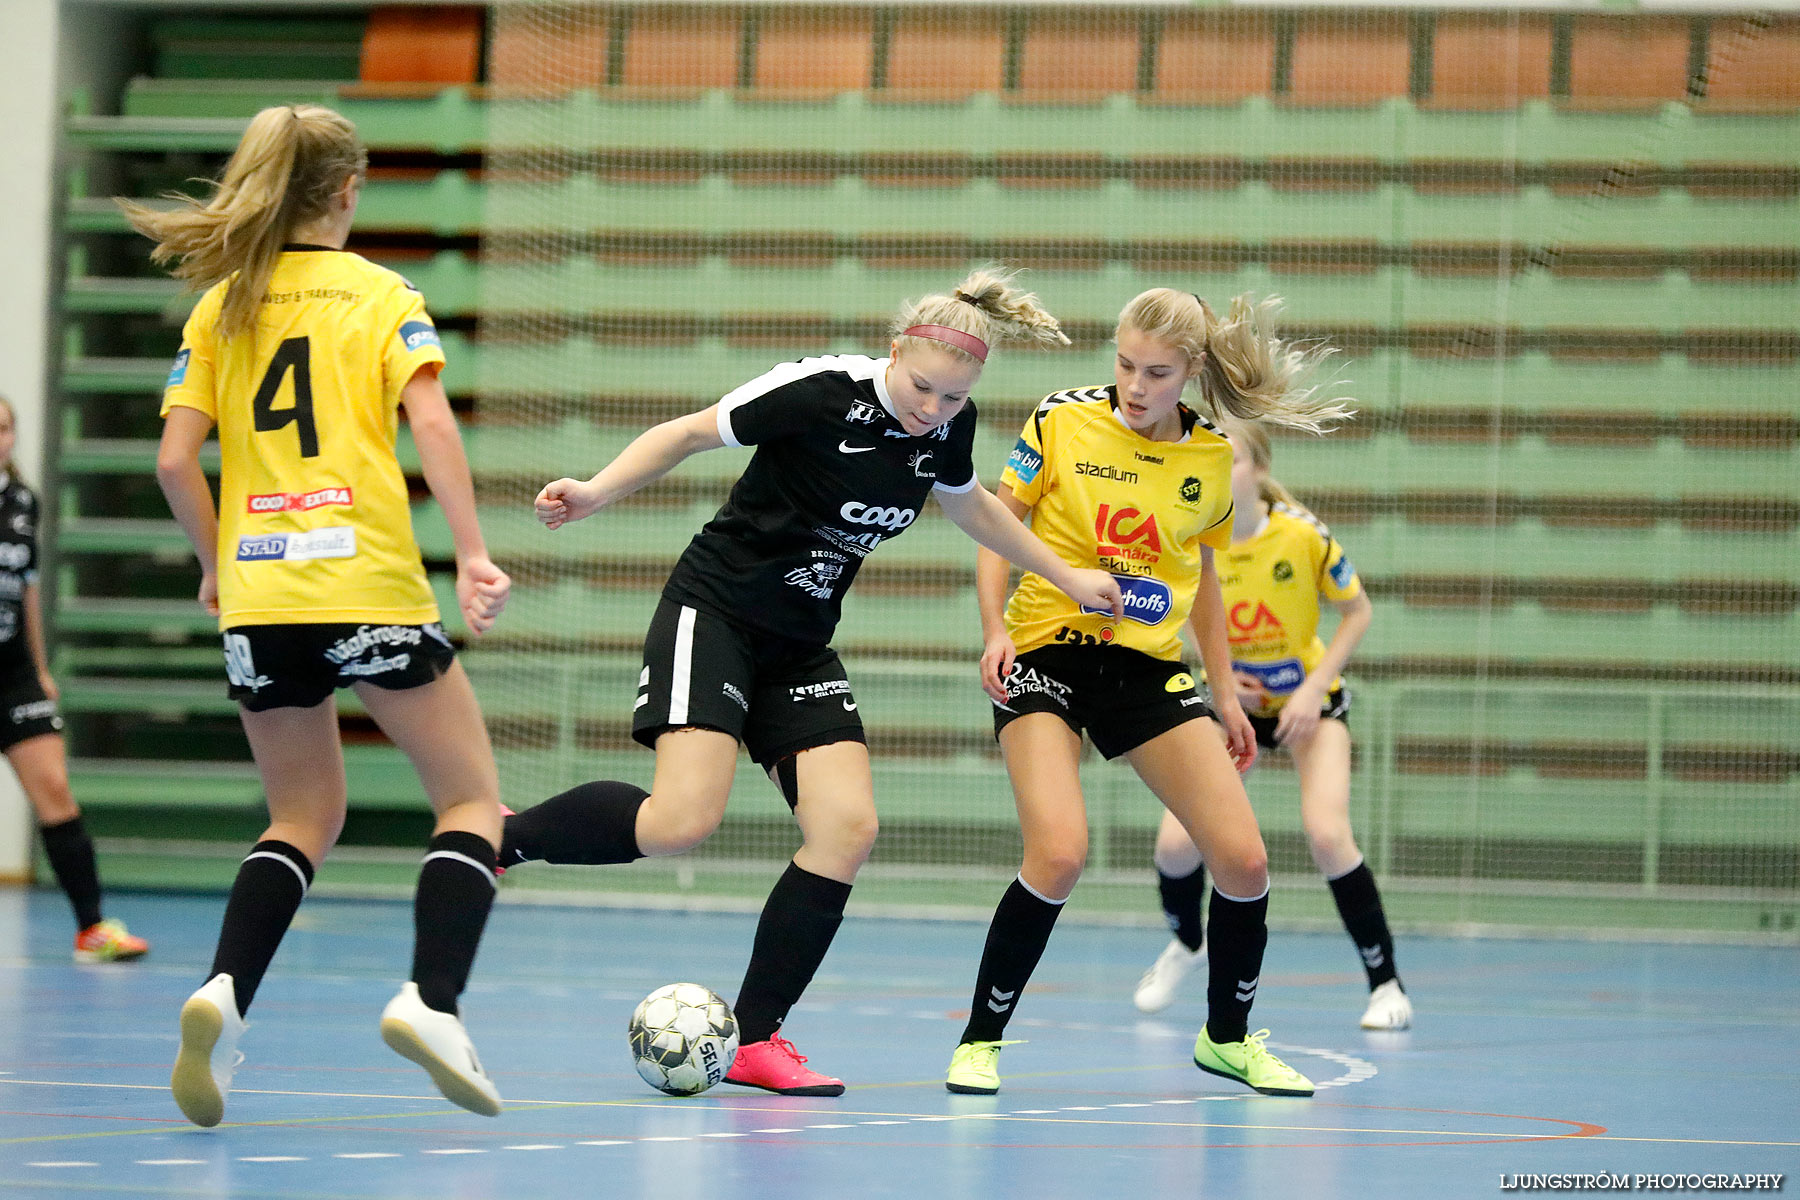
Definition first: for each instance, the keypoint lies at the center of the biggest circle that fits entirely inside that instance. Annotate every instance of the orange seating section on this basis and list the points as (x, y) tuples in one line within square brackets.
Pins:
[(1482, 61), (1473, 60), (425, 44)]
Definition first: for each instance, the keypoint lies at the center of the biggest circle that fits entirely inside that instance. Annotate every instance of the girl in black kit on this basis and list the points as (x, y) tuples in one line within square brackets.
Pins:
[(30, 729), (848, 449)]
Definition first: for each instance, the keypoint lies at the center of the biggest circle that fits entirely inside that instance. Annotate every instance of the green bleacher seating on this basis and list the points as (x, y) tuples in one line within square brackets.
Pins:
[(1633, 420)]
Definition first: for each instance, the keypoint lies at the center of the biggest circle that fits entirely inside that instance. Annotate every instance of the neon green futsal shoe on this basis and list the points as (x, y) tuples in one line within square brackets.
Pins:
[(975, 1068), (1249, 1062)]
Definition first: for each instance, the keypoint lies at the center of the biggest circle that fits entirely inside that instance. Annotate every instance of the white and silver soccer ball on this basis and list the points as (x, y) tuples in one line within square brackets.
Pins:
[(683, 1038)]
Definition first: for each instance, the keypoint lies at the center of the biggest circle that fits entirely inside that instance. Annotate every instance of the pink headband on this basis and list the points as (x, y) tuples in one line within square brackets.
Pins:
[(950, 337)]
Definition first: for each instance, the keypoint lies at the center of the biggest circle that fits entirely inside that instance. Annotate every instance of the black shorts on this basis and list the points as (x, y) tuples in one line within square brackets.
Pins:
[(1121, 697), (1335, 708), (296, 666), (776, 696), (25, 711)]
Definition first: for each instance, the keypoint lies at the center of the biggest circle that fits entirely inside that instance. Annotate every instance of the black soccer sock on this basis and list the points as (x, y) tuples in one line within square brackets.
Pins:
[(1359, 904), (799, 920), (1016, 939), (1238, 931), (450, 909), (591, 823), (1181, 896), (71, 854), (270, 884)]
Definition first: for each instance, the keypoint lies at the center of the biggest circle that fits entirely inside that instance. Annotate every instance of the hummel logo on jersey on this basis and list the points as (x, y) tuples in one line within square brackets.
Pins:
[(1372, 956), (1001, 1001), (847, 448), (1246, 989)]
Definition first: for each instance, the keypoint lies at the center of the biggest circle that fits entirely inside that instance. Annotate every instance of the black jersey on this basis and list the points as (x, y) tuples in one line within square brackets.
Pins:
[(834, 475), (18, 567)]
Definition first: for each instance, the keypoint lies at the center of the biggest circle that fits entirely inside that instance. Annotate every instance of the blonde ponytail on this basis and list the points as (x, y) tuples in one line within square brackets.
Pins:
[(1247, 372), (987, 307), (291, 160)]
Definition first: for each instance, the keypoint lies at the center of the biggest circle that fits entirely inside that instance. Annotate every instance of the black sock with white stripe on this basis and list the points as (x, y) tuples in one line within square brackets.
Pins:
[(1181, 896), (590, 824), (71, 854), (271, 882), (799, 921), (450, 909), (1016, 939), (1237, 931), (1359, 904)]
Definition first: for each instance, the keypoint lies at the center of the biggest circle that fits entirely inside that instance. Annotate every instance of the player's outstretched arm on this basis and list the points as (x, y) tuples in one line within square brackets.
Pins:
[(190, 497), (1210, 637), (981, 515), (651, 455), (481, 587), (991, 577)]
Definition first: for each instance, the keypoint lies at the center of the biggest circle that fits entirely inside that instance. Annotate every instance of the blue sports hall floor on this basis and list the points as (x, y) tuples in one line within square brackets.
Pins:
[(1528, 1059)]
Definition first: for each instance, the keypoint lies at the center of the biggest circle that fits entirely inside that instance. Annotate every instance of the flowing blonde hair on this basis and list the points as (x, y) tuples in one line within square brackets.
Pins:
[(1247, 371), (986, 305), (290, 162)]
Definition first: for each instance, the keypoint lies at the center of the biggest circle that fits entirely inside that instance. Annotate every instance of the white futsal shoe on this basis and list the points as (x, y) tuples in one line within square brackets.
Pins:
[(1388, 1008), (1156, 990), (210, 1029), (438, 1042)]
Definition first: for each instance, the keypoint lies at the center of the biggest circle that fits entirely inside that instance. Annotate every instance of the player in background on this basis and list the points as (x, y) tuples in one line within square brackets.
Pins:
[(1282, 566), (303, 354), (848, 448), (31, 730), (1131, 480)]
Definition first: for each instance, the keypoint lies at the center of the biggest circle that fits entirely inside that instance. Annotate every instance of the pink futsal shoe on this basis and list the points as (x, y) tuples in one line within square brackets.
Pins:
[(775, 1066)]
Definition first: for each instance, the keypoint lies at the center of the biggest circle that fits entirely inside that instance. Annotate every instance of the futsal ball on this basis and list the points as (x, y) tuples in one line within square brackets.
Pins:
[(683, 1039)]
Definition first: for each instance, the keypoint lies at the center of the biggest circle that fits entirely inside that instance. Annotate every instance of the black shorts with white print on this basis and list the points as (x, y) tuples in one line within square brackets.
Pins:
[(1121, 697), (25, 711), (777, 697), (296, 666)]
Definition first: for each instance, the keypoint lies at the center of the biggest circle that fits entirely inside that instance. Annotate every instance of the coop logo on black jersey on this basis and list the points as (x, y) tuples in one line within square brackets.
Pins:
[(419, 333), (1147, 601), (891, 519)]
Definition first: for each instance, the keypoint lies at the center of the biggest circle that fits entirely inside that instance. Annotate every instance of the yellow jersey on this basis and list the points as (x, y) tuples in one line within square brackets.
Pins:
[(1103, 495), (1272, 584), (314, 524)]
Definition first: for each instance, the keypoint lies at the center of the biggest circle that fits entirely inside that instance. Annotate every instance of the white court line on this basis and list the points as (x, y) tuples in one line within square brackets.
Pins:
[(366, 1154), (828, 1126), (457, 1151), (722, 1135), (776, 1131), (537, 1146), (271, 1158), (606, 1142), (667, 1138)]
